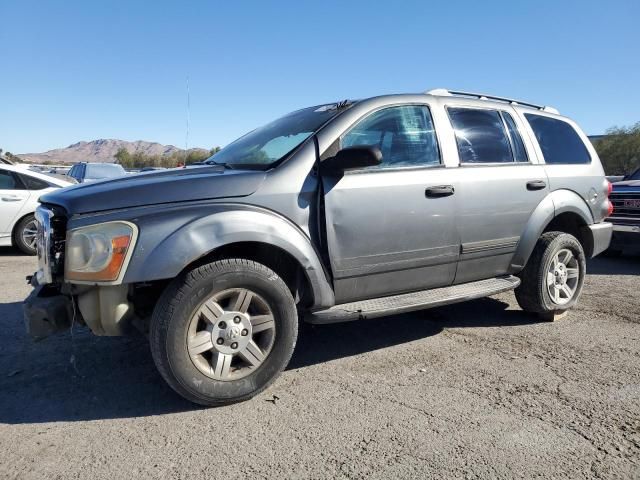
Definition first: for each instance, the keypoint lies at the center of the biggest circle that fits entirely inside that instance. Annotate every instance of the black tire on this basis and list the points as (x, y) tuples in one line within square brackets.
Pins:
[(173, 313), (18, 240), (532, 294)]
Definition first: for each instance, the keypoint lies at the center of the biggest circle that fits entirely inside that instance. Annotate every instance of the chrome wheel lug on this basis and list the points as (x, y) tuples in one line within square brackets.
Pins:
[(222, 325), (244, 332), (236, 319), (220, 341), (234, 345)]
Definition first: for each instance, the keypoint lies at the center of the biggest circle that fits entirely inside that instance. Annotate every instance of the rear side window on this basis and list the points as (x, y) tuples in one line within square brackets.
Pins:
[(480, 135), (559, 142), (33, 183)]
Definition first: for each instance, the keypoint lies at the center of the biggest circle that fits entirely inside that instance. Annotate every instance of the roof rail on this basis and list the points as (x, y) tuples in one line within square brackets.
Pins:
[(443, 92)]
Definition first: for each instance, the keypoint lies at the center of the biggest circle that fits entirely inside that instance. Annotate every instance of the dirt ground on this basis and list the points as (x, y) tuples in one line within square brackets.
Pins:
[(475, 390)]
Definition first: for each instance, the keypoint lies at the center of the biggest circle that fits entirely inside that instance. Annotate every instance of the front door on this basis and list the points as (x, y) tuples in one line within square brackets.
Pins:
[(391, 228)]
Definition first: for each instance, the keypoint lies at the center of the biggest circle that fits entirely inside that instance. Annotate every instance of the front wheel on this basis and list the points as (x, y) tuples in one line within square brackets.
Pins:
[(25, 235), (221, 333), (552, 280)]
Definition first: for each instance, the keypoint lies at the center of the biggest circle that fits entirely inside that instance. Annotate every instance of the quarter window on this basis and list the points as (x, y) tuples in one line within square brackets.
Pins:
[(33, 183), (405, 136), (519, 152), (558, 140), (480, 135)]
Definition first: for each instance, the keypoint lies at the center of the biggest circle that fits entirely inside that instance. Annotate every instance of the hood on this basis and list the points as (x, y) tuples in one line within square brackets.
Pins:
[(626, 184), (175, 185)]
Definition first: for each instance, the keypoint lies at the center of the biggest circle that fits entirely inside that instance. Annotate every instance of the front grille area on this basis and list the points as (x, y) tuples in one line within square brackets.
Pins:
[(52, 231), (58, 239), (626, 206)]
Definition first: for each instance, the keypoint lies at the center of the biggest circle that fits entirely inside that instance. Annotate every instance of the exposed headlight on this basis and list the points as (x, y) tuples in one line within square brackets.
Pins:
[(97, 253)]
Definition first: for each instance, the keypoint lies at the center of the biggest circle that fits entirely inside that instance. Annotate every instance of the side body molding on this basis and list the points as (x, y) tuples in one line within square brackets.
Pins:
[(162, 254), (554, 204)]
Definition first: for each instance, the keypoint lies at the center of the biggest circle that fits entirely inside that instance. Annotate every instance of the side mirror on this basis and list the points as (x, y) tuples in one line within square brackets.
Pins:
[(358, 156)]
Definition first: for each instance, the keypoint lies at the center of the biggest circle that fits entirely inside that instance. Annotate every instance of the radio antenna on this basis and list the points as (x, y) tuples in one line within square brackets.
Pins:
[(186, 137)]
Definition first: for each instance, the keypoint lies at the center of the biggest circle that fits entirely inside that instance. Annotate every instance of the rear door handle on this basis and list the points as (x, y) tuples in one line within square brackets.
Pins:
[(11, 199), (439, 191), (536, 185)]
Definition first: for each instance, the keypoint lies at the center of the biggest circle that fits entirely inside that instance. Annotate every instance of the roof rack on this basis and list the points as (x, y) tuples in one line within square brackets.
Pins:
[(443, 92)]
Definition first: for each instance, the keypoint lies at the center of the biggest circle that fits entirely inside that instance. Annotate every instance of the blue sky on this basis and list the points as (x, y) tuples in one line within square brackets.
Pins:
[(81, 70)]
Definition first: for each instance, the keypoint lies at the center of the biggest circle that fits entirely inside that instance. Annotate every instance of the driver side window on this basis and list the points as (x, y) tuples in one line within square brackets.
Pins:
[(405, 135)]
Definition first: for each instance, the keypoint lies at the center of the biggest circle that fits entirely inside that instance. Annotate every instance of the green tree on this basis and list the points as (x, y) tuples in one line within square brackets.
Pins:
[(123, 157), (13, 158), (140, 160), (619, 150)]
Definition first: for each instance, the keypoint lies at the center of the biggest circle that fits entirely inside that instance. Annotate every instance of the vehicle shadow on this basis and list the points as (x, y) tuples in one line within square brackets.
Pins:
[(11, 252), (81, 377), (621, 265)]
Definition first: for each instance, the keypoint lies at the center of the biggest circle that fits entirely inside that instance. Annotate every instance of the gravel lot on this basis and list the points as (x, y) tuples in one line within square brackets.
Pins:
[(476, 390)]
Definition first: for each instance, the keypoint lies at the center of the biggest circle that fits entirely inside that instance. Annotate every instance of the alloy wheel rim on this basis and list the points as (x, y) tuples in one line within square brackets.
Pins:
[(563, 276), (30, 234), (231, 334)]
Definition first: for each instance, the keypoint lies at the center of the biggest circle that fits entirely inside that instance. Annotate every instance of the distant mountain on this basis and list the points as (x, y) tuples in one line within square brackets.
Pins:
[(102, 150)]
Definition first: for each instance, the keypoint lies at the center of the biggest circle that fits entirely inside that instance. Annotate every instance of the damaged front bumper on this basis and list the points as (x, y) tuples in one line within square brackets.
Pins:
[(52, 308), (47, 311)]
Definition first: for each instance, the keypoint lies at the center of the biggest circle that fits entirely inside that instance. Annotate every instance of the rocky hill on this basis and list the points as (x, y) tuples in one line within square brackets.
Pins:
[(102, 150)]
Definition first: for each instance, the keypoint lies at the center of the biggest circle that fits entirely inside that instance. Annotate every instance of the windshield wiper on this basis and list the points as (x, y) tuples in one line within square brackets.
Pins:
[(222, 164)]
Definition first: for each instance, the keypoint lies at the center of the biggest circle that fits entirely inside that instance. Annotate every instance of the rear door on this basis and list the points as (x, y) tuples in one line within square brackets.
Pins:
[(498, 185), (13, 198), (385, 232)]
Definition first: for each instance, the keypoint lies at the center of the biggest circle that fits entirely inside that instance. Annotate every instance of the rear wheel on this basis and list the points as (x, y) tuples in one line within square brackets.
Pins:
[(553, 277), (25, 234), (223, 332)]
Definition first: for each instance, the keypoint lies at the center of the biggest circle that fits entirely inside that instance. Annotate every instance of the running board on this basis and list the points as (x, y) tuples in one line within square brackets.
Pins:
[(408, 302)]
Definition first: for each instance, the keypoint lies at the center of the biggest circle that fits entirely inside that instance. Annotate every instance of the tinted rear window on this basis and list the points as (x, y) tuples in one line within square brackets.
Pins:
[(558, 140), (105, 170)]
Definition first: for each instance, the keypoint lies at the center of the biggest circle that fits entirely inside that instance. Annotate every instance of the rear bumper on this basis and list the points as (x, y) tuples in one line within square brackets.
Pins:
[(47, 311), (600, 234)]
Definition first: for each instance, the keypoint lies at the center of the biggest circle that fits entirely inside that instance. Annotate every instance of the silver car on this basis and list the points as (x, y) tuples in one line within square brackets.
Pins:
[(345, 211)]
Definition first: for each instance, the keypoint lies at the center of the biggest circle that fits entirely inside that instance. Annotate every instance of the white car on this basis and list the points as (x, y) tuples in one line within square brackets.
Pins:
[(20, 190)]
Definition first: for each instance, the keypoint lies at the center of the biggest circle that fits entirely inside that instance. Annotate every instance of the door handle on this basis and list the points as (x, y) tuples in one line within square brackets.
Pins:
[(439, 191), (11, 199), (536, 185)]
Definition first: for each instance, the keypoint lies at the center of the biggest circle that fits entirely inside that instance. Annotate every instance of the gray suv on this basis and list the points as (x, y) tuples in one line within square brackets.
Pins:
[(345, 211)]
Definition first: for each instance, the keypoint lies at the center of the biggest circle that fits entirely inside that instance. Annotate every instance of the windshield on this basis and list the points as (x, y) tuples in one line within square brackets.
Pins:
[(267, 145), (105, 170)]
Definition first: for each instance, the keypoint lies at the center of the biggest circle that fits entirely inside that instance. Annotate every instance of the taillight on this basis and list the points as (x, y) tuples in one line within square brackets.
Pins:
[(609, 187)]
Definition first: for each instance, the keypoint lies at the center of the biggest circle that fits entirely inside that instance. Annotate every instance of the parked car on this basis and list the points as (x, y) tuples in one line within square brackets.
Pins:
[(90, 172), (20, 189), (346, 211), (625, 196)]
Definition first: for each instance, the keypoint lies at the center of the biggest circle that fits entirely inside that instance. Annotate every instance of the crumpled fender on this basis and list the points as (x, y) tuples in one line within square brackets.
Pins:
[(162, 254)]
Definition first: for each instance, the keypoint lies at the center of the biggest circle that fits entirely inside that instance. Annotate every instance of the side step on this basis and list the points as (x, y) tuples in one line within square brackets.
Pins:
[(408, 302)]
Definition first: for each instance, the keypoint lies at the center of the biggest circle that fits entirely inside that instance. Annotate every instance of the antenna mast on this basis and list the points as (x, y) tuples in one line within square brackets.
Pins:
[(186, 138)]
